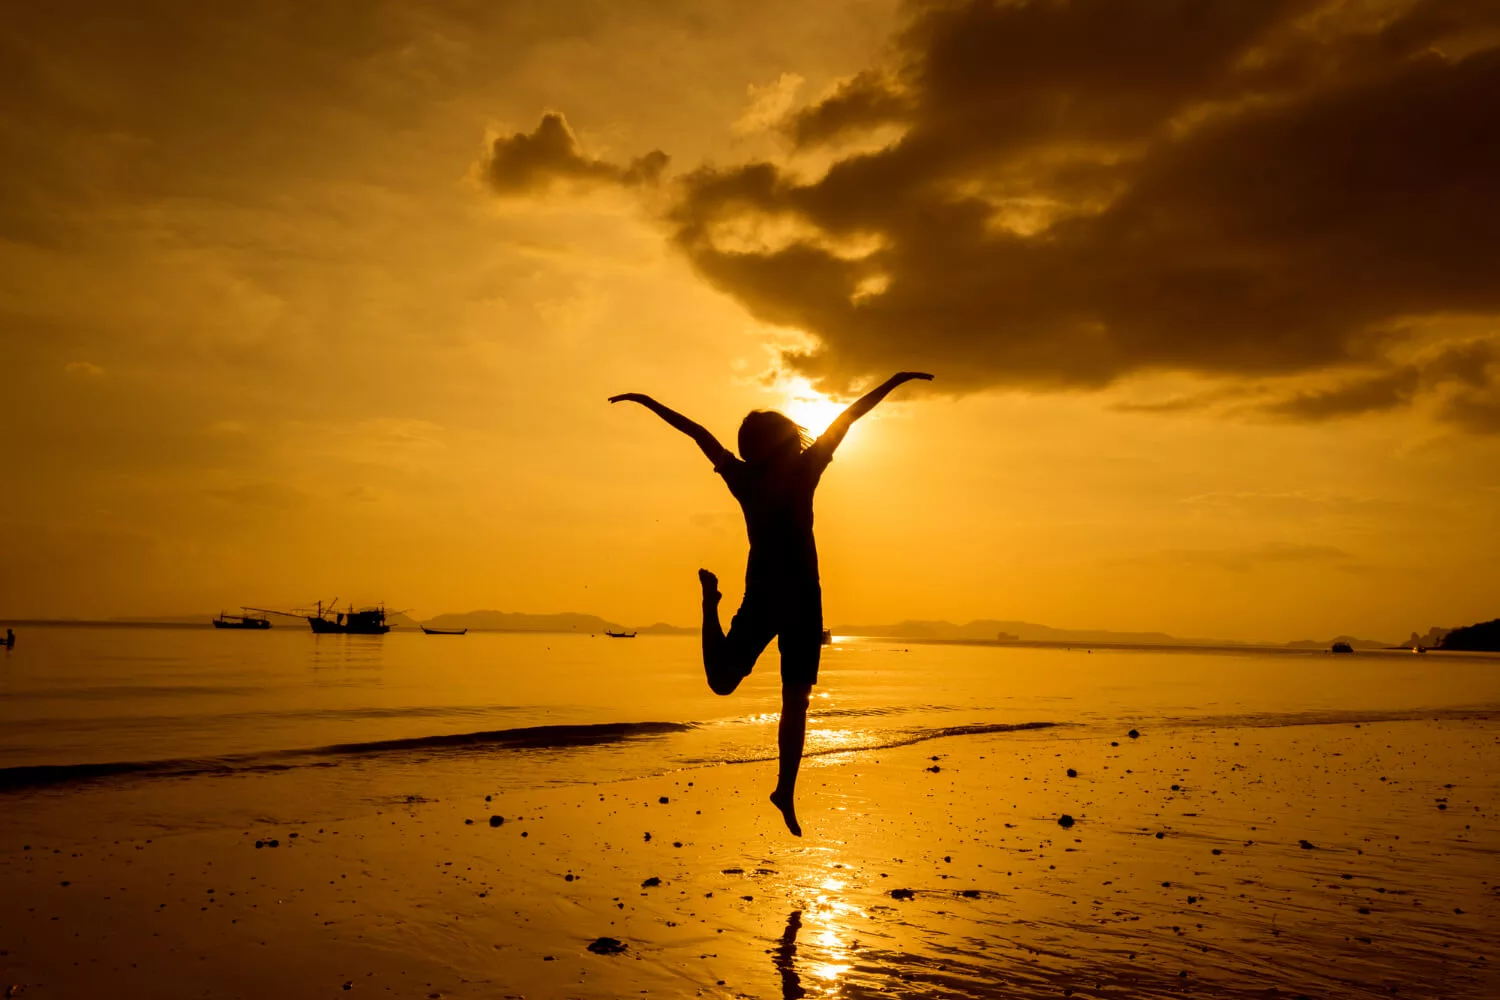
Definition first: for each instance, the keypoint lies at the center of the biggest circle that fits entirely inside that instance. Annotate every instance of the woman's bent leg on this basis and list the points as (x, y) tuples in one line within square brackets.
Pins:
[(713, 632), (727, 659), (791, 736)]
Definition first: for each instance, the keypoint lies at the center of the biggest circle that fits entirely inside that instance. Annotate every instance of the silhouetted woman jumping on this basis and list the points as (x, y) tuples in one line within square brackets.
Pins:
[(774, 482)]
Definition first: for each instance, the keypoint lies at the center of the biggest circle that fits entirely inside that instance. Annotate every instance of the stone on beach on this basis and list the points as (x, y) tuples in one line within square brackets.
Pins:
[(607, 946)]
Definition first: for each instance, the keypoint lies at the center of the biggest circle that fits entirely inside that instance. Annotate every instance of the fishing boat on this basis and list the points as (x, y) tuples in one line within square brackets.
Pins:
[(443, 631), (619, 635), (324, 619), (254, 623)]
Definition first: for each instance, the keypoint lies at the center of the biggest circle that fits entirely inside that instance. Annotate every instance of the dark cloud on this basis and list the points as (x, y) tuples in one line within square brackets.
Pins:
[(1364, 395), (1093, 189), (865, 102), (1463, 369), (529, 162)]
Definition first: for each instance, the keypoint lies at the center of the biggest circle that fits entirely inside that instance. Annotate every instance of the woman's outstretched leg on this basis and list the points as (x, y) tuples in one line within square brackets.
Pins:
[(791, 735)]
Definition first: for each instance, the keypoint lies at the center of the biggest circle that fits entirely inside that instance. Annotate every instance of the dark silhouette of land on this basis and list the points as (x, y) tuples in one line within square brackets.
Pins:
[(1483, 637), (774, 478)]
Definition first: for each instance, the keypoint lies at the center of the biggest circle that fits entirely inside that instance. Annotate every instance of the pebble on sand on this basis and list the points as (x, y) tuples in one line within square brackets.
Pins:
[(1306, 845), (1065, 821), (902, 894), (1072, 773), (1134, 734), (652, 881), (607, 946), (496, 820)]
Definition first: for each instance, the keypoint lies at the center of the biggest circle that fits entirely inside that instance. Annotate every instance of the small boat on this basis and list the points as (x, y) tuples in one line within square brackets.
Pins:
[(619, 635), (443, 631), (253, 622)]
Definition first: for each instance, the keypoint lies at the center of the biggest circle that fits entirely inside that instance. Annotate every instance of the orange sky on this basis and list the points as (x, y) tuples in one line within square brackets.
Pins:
[(296, 302)]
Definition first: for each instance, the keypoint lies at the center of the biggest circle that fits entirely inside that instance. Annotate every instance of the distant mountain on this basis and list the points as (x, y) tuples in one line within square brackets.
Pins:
[(662, 628), (989, 630), (1432, 640), (1484, 636), (1353, 642)]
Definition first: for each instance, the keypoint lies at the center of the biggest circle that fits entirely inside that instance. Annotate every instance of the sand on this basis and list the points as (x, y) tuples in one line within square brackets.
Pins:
[(1332, 860)]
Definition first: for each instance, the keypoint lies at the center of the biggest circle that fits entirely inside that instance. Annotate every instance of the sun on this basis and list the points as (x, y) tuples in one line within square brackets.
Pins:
[(810, 408)]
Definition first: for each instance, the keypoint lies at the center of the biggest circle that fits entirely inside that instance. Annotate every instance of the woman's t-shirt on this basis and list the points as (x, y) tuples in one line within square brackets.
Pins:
[(777, 498)]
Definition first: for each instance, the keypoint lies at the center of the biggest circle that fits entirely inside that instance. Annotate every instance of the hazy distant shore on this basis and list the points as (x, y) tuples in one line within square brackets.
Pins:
[(919, 632)]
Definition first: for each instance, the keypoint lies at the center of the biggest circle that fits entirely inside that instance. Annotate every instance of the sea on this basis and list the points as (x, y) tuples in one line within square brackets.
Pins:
[(330, 725)]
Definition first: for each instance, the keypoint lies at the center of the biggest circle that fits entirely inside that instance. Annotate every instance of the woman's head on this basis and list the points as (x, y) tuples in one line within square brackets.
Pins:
[(766, 434)]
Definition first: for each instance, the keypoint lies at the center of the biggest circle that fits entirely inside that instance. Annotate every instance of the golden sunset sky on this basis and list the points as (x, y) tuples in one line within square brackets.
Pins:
[(303, 299)]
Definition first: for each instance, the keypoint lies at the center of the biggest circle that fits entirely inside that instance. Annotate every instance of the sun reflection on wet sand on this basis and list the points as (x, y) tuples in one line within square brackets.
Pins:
[(835, 739)]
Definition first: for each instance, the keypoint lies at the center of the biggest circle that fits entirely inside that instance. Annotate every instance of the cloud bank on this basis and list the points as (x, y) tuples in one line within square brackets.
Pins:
[(1059, 195)]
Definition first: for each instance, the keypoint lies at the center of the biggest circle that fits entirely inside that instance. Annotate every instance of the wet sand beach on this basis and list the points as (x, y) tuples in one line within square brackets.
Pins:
[(1326, 859)]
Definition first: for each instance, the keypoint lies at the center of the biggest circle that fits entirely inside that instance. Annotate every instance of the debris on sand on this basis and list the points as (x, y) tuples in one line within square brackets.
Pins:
[(607, 946), (902, 894), (934, 769), (1134, 734), (1072, 773), (1307, 846), (496, 820), (651, 882), (1065, 821)]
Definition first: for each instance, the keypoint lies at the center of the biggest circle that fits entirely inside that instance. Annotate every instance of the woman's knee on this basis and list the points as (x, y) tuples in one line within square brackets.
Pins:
[(724, 684)]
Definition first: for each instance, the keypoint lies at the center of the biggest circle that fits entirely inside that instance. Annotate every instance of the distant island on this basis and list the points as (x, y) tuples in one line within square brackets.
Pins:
[(1483, 637), (991, 630)]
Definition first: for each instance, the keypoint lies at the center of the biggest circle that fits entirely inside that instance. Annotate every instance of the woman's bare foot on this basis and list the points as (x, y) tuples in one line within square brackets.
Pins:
[(710, 584), (783, 801)]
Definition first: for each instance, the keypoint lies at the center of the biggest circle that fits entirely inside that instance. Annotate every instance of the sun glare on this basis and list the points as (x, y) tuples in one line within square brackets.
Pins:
[(810, 408)]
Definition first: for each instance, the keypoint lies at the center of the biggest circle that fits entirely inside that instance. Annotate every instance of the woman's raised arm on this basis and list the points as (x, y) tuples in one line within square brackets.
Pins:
[(830, 439), (701, 437)]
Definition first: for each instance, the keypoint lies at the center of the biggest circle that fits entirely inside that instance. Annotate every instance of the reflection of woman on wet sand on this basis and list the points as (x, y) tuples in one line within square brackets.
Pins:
[(774, 483)]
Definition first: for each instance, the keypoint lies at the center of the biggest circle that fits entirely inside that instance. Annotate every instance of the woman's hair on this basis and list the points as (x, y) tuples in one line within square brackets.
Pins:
[(767, 434)]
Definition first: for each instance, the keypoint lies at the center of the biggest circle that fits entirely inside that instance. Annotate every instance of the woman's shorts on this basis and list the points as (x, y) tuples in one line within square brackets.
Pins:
[(793, 616)]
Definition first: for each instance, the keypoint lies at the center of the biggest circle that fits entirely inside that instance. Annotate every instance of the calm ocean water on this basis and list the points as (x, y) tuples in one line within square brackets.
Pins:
[(130, 703)]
